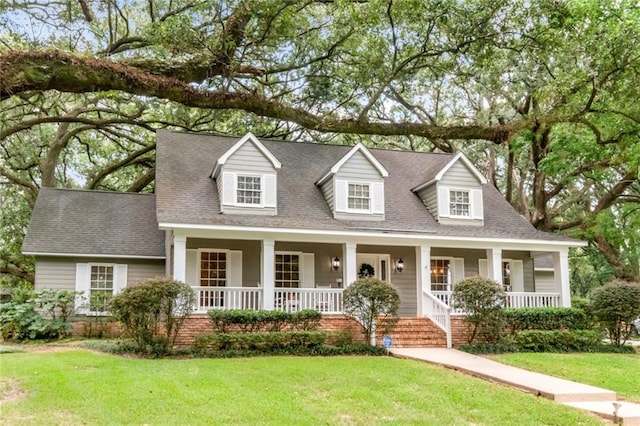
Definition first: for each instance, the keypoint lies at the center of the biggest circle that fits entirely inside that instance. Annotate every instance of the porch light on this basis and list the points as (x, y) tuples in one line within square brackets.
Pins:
[(400, 265), (335, 263)]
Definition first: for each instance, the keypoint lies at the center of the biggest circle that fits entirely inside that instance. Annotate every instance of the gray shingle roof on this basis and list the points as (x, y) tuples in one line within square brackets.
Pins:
[(66, 221), (187, 195)]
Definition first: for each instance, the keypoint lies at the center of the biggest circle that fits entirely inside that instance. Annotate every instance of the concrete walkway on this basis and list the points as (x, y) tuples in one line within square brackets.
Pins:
[(590, 398)]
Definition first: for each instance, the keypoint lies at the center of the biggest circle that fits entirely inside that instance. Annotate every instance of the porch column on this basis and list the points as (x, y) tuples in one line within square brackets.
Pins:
[(349, 271), (423, 273), (268, 273), (180, 258), (561, 276), (494, 264)]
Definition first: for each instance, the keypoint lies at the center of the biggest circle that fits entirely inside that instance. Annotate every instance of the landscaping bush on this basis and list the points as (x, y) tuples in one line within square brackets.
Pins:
[(616, 305), (262, 341), (248, 321), (557, 340), (153, 312), (519, 319), (373, 304), (20, 319), (482, 299)]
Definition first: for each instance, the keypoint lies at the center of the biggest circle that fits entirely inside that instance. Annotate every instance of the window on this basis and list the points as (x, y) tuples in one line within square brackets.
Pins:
[(213, 269), (100, 287), (359, 197), (287, 270), (506, 276), (440, 275), (459, 203), (248, 190)]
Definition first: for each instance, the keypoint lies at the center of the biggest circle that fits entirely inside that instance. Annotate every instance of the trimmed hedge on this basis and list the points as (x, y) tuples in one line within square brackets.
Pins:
[(247, 321), (557, 340), (359, 349), (521, 319), (265, 342)]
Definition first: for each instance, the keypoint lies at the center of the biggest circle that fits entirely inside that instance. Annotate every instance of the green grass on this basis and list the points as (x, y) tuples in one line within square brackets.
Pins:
[(80, 387), (616, 372)]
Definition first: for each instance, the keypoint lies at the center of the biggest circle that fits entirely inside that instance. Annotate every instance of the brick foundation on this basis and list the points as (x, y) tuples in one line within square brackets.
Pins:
[(409, 331)]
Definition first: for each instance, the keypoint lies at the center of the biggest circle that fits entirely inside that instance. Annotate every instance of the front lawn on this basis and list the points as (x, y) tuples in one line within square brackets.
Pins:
[(80, 387), (616, 372)]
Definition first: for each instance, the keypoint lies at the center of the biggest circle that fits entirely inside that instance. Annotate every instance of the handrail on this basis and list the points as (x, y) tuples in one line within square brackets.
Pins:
[(439, 313)]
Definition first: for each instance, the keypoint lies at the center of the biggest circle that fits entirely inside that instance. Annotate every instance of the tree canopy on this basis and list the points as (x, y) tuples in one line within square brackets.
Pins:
[(542, 95)]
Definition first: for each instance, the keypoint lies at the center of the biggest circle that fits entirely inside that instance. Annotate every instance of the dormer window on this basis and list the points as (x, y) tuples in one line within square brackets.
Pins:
[(359, 197), (459, 204), (249, 190)]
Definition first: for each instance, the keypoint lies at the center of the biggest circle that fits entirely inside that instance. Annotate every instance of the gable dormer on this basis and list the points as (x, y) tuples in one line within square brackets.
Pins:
[(354, 187), (247, 178), (454, 195)]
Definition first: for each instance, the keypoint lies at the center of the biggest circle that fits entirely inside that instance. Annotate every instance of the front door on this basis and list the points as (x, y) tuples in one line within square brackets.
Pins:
[(371, 264)]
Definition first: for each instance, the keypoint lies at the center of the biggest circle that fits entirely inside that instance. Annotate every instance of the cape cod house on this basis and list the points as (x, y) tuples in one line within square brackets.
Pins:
[(265, 224)]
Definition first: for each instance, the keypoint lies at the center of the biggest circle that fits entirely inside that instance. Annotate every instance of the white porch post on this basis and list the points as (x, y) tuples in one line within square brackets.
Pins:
[(423, 273), (268, 273), (349, 270), (561, 276), (494, 264), (180, 258)]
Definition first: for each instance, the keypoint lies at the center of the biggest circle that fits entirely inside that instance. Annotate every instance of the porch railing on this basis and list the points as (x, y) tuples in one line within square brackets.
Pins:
[(325, 300), (439, 313), (226, 298), (513, 300)]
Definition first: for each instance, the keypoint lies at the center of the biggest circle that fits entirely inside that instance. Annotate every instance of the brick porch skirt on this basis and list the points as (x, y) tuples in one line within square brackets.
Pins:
[(408, 332)]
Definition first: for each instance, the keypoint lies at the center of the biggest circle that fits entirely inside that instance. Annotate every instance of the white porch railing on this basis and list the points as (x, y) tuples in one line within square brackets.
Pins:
[(325, 300), (513, 300), (439, 313), (208, 298)]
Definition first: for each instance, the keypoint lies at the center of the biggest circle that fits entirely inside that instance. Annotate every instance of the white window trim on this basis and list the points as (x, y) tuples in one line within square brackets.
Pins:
[(363, 183), (85, 297), (300, 266), (199, 263), (470, 204), (450, 275), (235, 190)]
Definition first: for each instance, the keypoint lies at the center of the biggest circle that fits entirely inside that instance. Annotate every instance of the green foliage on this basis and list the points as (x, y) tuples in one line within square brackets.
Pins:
[(21, 320), (482, 300), (373, 304), (557, 340), (262, 341), (249, 321), (153, 312), (519, 319), (616, 305)]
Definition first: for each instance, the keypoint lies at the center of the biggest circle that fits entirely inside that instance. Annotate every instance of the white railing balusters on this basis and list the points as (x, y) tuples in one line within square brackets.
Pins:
[(208, 298), (438, 312), (513, 300), (325, 300)]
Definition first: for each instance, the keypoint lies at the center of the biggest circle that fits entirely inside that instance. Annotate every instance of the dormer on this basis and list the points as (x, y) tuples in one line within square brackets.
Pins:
[(354, 187), (454, 195), (247, 178)]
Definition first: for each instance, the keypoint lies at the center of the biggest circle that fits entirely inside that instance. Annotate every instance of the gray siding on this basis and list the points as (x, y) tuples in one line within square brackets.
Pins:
[(358, 167), (327, 191), (459, 176), (429, 197), (250, 255), (60, 273), (248, 159), (545, 281), (470, 256)]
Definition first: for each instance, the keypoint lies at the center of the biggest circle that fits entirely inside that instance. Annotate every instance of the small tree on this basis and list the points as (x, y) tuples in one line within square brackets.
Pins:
[(616, 305), (370, 301), (482, 299), (153, 312)]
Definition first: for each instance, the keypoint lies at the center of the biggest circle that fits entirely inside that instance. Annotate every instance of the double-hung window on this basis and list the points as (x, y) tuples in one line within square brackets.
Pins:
[(249, 190), (287, 270), (101, 285), (459, 204), (359, 197), (440, 275)]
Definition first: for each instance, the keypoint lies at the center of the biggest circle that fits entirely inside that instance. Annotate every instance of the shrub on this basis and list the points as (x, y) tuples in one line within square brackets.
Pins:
[(153, 312), (262, 341), (372, 303), (246, 321), (616, 305), (482, 299), (557, 340), (519, 319)]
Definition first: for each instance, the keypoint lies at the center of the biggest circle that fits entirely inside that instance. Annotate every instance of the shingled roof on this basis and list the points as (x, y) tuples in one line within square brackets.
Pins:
[(186, 194), (66, 221)]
